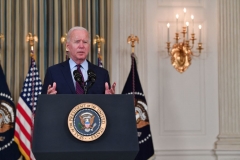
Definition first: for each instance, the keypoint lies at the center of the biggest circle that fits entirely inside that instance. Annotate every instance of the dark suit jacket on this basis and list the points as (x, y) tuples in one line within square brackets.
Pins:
[(61, 74)]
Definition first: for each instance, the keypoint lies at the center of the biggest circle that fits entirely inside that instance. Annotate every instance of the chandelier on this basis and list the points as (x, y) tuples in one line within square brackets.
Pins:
[(181, 51)]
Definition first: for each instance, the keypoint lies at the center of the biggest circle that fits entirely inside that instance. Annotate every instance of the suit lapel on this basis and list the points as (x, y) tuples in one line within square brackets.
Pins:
[(68, 76), (90, 66)]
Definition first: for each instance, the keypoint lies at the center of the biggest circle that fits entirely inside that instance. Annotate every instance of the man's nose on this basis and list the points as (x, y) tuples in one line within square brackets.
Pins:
[(81, 44)]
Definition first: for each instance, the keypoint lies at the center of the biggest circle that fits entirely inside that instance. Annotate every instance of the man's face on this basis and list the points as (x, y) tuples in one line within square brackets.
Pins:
[(78, 46)]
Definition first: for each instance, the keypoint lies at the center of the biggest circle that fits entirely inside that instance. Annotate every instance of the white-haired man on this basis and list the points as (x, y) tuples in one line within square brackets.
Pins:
[(59, 78)]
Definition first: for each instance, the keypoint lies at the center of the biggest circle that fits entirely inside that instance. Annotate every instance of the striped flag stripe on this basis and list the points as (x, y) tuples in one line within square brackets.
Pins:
[(25, 107), (32, 156), (22, 145), (21, 132), (22, 129), (24, 118), (26, 130)]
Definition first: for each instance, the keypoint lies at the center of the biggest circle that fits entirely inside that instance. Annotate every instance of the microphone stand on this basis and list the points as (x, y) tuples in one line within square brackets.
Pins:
[(85, 87), (90, 85)]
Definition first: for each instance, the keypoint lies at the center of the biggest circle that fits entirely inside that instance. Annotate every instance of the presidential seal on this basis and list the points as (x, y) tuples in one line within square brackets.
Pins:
[(87, 122)]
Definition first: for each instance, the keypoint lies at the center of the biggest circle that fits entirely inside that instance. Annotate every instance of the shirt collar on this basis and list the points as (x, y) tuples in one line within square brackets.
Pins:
[(85, 65), (73, 64)]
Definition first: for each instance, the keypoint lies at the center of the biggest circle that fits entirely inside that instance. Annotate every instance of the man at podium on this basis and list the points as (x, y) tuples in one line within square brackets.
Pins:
[(77, 75)]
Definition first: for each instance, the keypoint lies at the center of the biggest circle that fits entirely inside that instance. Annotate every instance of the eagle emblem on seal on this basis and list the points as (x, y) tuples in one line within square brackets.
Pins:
[(87, 121)]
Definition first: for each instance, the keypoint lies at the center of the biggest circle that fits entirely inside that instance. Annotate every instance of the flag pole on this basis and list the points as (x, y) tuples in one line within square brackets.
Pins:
[(99, 40), (132, 39), (133, 87), (31, 39), (1, 37)]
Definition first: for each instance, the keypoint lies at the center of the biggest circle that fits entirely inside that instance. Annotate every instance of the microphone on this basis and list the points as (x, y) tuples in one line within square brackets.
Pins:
[(77, 77), (91, 76)]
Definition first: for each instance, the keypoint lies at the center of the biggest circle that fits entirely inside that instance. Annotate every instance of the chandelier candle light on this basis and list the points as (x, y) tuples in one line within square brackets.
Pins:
[(181, 52)]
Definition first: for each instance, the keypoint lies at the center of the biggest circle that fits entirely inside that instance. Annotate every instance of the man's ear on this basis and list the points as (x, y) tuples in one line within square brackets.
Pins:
[(67, 47)]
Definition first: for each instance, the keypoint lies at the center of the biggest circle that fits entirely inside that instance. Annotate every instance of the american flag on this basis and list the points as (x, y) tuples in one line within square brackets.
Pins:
[(26, 107)]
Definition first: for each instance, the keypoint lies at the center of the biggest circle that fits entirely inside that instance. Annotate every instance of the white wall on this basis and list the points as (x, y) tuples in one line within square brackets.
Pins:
[(184, 112), (183, 108)]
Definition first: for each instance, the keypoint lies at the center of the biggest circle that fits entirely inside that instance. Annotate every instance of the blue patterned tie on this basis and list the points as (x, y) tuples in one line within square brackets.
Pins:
[(79, 89)]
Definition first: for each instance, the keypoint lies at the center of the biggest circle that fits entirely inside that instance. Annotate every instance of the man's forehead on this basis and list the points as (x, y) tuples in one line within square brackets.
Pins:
[(79, 34)]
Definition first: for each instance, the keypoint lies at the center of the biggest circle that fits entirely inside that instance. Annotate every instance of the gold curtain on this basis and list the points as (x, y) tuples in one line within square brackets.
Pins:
[(49, 20)]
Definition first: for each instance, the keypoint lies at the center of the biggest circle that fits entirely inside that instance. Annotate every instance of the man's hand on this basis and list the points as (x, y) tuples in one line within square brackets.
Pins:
[(52, 89), (110, 91)]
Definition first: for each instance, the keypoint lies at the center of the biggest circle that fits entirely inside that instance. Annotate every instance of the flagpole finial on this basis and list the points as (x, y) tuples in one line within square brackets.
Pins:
[(131, 39), (31, 38), (63, 41), (98, 40), (64, 38)]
